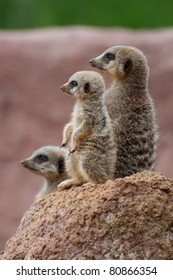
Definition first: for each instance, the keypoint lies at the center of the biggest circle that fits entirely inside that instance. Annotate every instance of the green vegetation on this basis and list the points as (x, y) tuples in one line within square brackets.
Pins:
[(19, 14)]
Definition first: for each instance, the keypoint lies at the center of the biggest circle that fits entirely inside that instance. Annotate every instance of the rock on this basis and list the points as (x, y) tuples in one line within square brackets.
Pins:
[(33, 110), (130, 218)]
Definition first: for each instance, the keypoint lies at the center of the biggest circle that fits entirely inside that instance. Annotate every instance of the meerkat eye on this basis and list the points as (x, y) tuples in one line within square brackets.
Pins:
[(41, 158), (73, 83), (109, 56)]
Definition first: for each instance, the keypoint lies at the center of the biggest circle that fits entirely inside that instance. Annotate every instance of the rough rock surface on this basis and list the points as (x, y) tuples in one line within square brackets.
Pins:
[(33, 110), (130, 218)]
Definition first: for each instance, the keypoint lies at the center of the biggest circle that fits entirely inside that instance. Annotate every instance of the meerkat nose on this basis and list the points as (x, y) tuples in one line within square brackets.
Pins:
[(91, 61), (23, 162), (62, 88)]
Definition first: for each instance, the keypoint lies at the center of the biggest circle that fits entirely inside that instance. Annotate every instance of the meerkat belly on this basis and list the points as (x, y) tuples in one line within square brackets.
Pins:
[(135, 146), (74, 167), (99, 144)]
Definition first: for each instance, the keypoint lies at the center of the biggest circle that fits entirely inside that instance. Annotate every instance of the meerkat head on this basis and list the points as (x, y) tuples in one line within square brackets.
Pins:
[(84, 84), (47, 161), (122, 62)]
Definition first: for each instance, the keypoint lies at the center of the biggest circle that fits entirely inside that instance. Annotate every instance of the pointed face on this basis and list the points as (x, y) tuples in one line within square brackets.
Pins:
[(104, 61), (121, 62), (84, 84), (48, 161)]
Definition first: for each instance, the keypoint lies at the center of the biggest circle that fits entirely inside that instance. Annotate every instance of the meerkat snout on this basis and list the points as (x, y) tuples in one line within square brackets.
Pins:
[(62, 88), (97, 62), (23, 162), (69, 88), (91, 61)]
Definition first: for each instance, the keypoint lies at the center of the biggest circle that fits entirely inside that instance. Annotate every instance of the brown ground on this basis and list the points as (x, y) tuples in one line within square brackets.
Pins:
[(130, 218), (33, 110)]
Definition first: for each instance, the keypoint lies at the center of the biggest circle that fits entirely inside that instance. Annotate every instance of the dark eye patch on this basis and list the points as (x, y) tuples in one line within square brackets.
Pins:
[(73, 83), (41, 158), (109, 56)]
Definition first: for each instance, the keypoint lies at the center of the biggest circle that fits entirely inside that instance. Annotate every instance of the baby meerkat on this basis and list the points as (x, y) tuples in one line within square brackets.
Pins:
[(89, 134), (130, 108), (49, 162)]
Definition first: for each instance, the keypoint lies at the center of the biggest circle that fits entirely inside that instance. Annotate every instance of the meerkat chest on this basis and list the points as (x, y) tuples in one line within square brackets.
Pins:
[(78, 118)]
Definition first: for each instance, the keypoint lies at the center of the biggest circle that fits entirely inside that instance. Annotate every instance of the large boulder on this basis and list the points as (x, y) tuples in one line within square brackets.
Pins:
[(33, 110), (130, 218)]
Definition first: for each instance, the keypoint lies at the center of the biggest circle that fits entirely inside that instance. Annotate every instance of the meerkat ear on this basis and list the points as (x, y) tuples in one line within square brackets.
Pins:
[(87, 87), (128, 63), (61, 165)]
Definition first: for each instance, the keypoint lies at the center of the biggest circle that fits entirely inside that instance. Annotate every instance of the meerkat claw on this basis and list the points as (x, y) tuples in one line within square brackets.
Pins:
[(63, 145), (72, 151)]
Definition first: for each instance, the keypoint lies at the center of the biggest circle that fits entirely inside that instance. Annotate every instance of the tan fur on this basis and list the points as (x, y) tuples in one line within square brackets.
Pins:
[(49, 162), (89, 134), (130, 107)]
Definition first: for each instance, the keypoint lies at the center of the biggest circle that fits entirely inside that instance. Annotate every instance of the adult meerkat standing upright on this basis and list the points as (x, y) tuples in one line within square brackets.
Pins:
[(89, 134), (49, 162), (130, 105)]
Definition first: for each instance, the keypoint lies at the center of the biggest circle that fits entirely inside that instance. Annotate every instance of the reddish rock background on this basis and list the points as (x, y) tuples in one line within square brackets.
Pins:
[(33, 110)]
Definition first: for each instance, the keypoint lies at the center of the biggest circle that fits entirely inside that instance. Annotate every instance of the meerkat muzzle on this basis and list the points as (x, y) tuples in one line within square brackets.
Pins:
[(92, 62), (23, 162), (96, 62), (62, 88)]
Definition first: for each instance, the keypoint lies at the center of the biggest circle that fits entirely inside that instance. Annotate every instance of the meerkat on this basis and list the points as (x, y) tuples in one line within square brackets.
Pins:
[(89, 134), (130, 108), (49, 162)]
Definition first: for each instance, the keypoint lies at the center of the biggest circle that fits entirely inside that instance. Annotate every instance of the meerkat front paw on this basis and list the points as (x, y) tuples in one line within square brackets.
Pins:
[(66, 184), (63, 185)]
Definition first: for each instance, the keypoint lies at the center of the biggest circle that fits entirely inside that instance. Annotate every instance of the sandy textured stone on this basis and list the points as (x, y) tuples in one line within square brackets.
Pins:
[(130, 218), (33, 110)]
